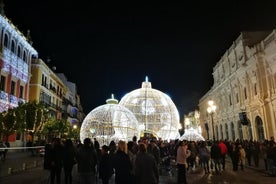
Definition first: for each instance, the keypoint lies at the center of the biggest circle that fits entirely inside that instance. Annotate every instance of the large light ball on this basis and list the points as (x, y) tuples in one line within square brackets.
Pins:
[(154, 110), (109, 122)]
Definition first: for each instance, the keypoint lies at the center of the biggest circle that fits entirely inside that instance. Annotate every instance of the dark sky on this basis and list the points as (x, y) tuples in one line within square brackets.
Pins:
[(109, 47)]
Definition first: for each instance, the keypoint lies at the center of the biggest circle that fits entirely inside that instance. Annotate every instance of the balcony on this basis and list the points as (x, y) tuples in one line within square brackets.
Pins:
[(13, 100), (4, 96)]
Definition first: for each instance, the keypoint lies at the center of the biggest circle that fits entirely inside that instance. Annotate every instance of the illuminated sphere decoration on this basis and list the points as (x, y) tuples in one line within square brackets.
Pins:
[(109, 122), (154, 110)]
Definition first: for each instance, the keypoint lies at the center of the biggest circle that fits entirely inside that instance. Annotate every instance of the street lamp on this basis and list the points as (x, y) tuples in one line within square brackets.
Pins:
[(187, 122), (211, 110)]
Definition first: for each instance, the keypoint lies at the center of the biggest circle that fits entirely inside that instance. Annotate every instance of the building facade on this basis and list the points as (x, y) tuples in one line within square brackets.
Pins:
[(16, 54), (244, 90), (47, 87), (72, 109)]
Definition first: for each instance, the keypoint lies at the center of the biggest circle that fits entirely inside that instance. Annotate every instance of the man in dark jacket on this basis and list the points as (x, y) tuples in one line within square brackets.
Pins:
[(87, 160), (146, 169), (216, 156)]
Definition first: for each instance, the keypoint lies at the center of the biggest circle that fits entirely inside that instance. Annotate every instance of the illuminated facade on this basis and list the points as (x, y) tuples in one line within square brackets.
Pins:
[(244, 83), (16, 54), (109, 122), (46, 87), (154, 110)]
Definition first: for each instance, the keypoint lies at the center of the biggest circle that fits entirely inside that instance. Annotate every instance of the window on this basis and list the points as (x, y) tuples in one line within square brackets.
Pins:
[(6, 40), (24, 57), (226, 131), (237, 97), (255, 89), (2, 83), (245, 94), (13, 46), (18, 51), (233, 131), (21, 89), (230, 100), (12, 87), (240, 130)]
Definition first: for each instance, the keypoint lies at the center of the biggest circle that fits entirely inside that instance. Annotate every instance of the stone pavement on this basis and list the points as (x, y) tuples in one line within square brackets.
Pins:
[(33, 173)]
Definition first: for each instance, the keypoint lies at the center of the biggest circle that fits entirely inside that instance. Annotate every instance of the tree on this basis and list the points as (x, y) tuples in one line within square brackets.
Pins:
[(8, 123), (55, 128), (27, 116)]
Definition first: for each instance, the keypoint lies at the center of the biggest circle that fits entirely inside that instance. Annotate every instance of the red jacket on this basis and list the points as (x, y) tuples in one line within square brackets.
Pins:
[(223, 148)]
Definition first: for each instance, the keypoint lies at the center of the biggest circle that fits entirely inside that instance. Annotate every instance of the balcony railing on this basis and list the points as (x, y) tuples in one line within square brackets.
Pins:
[(14, 100), (4, 96)]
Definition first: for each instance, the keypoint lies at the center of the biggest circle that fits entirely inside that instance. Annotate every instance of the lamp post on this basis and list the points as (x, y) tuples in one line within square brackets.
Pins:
[(75, 131), (211, 110), (187, 122)]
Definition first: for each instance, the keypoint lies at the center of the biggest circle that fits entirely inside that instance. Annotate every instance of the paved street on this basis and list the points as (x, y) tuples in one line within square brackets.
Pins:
[(35, 174)]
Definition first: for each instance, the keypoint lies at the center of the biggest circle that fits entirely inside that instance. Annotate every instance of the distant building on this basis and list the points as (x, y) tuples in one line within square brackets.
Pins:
[(72, 109), (244, 90)]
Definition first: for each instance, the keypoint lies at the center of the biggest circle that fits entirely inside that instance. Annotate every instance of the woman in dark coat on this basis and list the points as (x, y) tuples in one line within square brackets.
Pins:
[(105, 167), (146, 170), (69, 159), (122, 164), (56, 160)]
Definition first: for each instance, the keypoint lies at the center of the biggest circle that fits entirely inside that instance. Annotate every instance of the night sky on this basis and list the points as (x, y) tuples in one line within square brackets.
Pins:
[(110, 47)]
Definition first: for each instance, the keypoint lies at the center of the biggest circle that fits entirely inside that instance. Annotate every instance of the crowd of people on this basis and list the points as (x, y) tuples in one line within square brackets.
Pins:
[(140, 161)]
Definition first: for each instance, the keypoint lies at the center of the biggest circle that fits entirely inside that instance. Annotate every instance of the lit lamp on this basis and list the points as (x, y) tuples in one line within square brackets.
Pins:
[(187, 123), (211, 110), (75, 131)]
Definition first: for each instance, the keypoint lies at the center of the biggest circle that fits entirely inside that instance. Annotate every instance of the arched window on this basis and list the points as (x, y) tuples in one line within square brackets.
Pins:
[(24, 57), (217, 132), (226, 131), (13, 46), (6, 41), (18, 51), (250, 136), (221, 131), (260, 128), (240, 130), (233, 131)]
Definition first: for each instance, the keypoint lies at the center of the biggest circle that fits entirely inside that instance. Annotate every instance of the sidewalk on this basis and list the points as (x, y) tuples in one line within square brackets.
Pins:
[(260, 168), (18, 161), (22, 167)]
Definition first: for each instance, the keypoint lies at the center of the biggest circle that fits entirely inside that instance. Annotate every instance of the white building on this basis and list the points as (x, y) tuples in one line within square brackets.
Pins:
[(244, 81)]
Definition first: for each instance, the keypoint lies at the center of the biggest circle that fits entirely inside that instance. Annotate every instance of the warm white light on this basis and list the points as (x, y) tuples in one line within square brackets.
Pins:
[(212, 107), (187, 121), (154, 110), (109, 122)]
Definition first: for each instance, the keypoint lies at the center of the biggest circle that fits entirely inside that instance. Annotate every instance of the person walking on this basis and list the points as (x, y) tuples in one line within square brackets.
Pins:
[(204, 156), (242, 156), (146, 169), (69, 159), (216, 157), (224, 151), (56, 160), (105, 165), (87, 161), (181, 159), (122, 164)]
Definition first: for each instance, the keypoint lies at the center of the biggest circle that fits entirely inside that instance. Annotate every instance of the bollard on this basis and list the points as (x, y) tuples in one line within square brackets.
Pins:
[(35, 163), (9, 170), (24, 166)]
